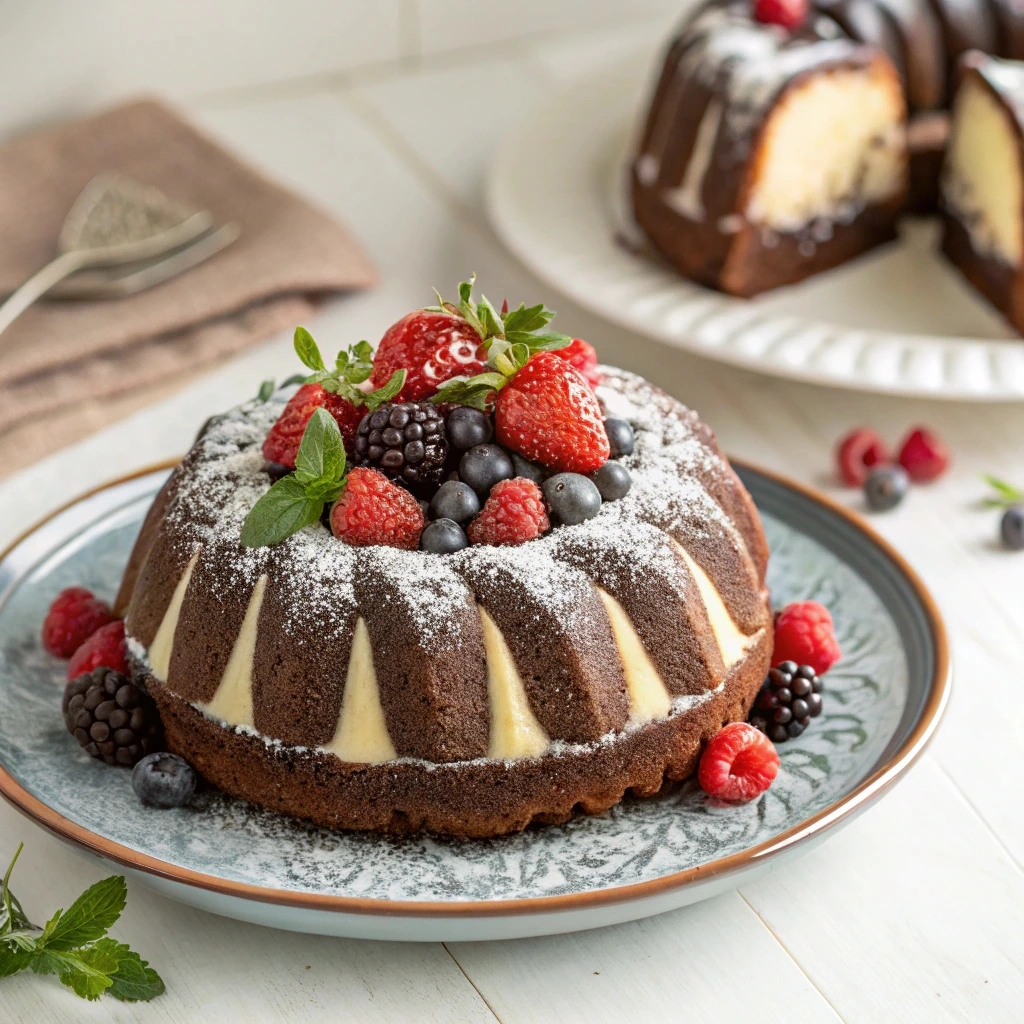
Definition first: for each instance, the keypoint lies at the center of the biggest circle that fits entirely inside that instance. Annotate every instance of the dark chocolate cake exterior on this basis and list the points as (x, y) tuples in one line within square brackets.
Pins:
[(468, 694)]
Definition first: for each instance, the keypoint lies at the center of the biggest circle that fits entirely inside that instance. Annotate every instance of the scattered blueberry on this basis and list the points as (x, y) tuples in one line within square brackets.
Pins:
[(526, 469), (613, 481), (620, 437), (455, 501), (483, 466), (164, 780), (573, 498), (885, 487), (1011, 527), (442, 537), (466, 427)]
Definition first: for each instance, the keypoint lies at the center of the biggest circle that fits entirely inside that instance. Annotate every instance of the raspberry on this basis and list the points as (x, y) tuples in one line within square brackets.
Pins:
[(787, 13), (282, 442), (923, 456), (432, 347), (738, 764), (857, 452), (804, 634), (548, 414), (105, 648), (581, 354), (73, 617), (373, 510), (513, 514)]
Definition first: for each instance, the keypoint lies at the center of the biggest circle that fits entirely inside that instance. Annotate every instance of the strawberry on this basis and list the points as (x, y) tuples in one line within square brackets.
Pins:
[(738, 764), (105, 647), (73, 617), (789, 14), (582, 355), (373, 510)]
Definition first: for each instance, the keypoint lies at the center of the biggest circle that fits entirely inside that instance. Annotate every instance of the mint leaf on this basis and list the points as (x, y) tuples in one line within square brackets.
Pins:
[(321, 452), (85, 971), (14, 960), (306, 349), (377, 398), (12, 917), (89, 917), (133, 980), (1006, 494), (527, 319), (283, 510)]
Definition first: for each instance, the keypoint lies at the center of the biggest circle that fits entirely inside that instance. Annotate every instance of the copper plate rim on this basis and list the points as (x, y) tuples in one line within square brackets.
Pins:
[(864, 794)]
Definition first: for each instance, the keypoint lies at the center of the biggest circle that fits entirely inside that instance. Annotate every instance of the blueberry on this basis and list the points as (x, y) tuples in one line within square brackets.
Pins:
[(620, 437), (164, 780), (466, 427), (455, 501), (573, 498), (442, 537), (1011, 527), (526, 469), (885, 487), (613, 481), (483, 466)]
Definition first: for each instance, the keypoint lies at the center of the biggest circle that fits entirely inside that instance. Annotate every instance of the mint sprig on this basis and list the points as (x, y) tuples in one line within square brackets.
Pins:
[(1005, 494), (74, 945), (298, 500)]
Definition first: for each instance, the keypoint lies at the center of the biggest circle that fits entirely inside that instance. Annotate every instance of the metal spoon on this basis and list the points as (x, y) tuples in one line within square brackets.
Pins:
[(115, 220)]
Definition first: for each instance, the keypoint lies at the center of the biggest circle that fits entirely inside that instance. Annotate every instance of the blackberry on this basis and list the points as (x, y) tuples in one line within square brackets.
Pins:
[(405, 442), (111, 717), (789, 698)]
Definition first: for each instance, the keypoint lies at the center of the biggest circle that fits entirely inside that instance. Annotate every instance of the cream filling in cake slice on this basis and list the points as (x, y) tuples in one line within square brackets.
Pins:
[(982, 182), (833, 145), (163, 642)]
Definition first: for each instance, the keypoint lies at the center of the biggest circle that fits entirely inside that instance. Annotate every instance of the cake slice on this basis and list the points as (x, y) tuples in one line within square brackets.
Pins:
[(983, 182)]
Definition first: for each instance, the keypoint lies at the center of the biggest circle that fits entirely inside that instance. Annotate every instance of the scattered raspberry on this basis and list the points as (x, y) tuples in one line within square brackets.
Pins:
[(857, 452), (787, 13), (924, 456), (513, 514), (373, 510), (282, 442), (106, 648), (738, 764), (548, 414), (581, 354), (433, 347), (76, 613), (804, 634)]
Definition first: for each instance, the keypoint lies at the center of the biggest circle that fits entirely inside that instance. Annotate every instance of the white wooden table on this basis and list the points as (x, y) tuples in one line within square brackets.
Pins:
[(913, 913)]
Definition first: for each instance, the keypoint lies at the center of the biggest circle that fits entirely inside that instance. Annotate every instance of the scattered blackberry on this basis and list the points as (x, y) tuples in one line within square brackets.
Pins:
[(789, 698), (405, 442), (111, 717)]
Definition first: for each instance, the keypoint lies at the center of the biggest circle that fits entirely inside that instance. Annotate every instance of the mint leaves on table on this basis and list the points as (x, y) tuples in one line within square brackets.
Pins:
[(74, 944), (298, 499), (1005, 494), (352, 367)]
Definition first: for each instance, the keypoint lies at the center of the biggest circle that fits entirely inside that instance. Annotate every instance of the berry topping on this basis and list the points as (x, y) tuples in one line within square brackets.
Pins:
[(613, 481), (621, 438), (572, 498), (405, 442), (468, 427), (442, 537), (513, 514), (885, 487), (924, 456), (856, 453), (804, 635), (456, 501), (483, 466), (111, 717), (738, 764), (526, 469), (549, 415), (105, 648), (164, 780), (373, 510), (76, 613), (1011, 528), (789, 698), (788, 14), (581, 354)]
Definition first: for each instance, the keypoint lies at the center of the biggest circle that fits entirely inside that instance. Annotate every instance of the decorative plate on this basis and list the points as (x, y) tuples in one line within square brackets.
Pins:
[(882, 704), (898, 320)]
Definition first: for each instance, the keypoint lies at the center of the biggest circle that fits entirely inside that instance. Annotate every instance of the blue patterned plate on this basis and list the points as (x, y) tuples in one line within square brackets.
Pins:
[(882, 704)]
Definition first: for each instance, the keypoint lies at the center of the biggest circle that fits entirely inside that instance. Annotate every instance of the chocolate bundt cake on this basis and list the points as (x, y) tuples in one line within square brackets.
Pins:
[(470, 693), (772, 152)]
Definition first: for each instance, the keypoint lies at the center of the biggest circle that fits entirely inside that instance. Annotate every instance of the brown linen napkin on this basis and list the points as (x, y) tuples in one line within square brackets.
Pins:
[(69, 367)]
